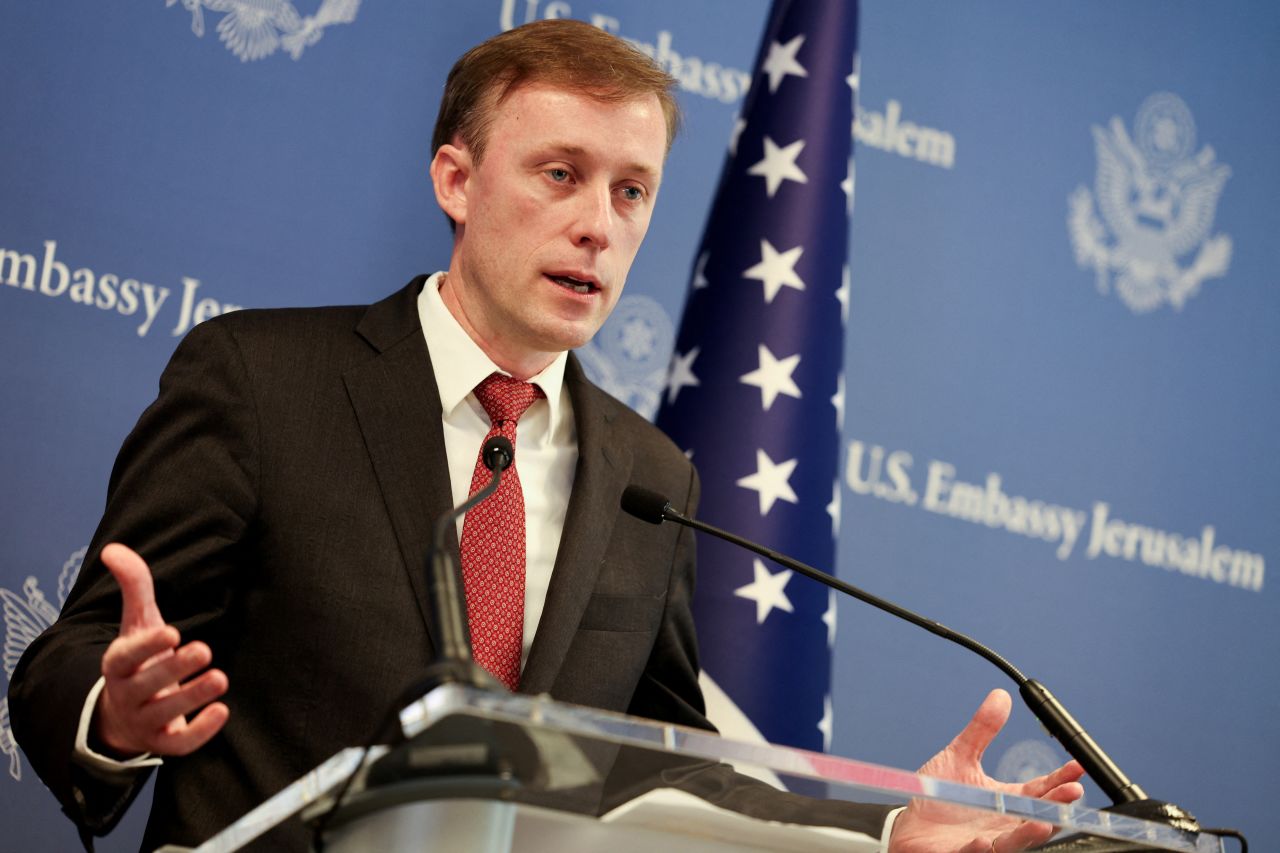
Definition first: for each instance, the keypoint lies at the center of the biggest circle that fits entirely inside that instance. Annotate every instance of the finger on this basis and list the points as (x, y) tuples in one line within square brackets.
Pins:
[(987, 722), (1065, 793), (1023, 836), (193, 734), (127, 654), (160, 713), (164, 673), (1042, 785), (136, 587)]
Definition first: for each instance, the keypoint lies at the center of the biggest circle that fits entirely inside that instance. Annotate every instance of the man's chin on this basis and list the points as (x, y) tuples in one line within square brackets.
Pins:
[(568, 335)]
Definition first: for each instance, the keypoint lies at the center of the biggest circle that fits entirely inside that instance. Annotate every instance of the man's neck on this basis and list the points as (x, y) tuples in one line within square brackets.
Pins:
[(520, 366)]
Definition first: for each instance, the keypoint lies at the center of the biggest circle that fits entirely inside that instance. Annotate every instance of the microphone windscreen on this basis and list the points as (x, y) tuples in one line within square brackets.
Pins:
[(498, 453), (644, 504)]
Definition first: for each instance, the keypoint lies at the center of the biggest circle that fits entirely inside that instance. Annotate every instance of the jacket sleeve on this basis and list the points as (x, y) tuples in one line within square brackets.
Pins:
[(668, 688), (182, 494)]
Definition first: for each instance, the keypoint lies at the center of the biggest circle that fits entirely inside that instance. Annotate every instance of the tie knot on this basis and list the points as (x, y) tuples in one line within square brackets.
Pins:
[(506, 399)]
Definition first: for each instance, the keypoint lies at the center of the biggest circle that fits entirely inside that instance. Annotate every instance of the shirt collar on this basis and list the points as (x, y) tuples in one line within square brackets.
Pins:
[(449, 344)]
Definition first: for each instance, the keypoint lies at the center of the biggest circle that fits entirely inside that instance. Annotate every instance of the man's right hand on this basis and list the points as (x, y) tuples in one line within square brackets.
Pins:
[(151, 681)]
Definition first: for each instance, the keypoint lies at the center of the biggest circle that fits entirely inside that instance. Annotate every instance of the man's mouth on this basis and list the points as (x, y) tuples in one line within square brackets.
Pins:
[(577, 285)]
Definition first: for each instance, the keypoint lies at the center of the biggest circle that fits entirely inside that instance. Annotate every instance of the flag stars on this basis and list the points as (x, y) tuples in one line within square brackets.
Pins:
[(767, 591), (681, 374), (827, 724), (837, 400), (776, 269), (781, 61), (739, 125), (833, 510), (770, 481), (778, 165), (846, 186), (829, 618), (700, 271), (773, 376), (842, 295)]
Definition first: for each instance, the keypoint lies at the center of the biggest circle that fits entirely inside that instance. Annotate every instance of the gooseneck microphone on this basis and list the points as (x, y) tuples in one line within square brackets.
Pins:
[(447, 601), (1126, 795), (453, 662)]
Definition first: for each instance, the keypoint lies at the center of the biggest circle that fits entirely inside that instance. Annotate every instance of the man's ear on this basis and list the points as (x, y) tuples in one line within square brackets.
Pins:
[(450, 173)]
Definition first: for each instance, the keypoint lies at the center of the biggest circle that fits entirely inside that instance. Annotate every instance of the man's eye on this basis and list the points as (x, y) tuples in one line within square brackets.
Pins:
[(558, 175), (632, 194)]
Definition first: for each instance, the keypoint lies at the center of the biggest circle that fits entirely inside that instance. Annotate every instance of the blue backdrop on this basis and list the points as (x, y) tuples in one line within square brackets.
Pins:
[(1061, 331)]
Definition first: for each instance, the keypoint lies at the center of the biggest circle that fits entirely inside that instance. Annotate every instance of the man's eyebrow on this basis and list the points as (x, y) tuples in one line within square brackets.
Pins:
[(572, 150)]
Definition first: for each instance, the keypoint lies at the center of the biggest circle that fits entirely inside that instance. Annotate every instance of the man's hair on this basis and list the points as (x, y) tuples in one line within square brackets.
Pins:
[(565, 53)]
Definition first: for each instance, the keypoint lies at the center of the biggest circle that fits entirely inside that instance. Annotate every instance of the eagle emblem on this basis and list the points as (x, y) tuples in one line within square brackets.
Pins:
[(26, 616), (1157, 197), (255, 29), (628, 356)]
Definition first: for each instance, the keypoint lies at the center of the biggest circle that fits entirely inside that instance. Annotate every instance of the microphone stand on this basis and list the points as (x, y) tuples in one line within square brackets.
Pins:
[(464, 755), (453, 663), (1126, 796)]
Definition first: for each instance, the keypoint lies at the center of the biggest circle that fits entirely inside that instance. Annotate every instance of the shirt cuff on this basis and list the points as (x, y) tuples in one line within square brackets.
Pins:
[(86, 757), (887, 832)]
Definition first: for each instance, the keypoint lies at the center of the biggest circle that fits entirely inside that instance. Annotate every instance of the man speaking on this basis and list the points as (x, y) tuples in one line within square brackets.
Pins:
[(255, 599)]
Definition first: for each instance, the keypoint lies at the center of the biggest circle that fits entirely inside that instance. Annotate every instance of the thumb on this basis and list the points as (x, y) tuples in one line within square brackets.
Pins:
[(987, 722), (133, 575)]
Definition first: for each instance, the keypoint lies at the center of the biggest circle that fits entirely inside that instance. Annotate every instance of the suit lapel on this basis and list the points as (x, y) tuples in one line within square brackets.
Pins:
[(602, 472), (398, 408)]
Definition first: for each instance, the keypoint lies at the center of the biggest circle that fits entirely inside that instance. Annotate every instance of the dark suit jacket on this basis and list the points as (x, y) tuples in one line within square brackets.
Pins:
[(282, 488)]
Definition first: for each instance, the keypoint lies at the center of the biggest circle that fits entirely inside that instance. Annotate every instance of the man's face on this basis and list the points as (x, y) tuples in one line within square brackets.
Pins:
[(551, 219)]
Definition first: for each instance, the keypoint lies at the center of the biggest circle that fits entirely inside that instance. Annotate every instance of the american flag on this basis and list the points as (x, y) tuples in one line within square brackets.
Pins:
[(755, 392)]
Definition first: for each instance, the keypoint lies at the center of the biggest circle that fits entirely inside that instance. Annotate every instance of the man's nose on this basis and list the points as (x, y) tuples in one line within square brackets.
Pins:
[(593, 222)]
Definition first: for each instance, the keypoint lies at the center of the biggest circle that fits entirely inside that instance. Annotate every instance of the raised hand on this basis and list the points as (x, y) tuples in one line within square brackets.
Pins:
[(928, 827), (152, 683)]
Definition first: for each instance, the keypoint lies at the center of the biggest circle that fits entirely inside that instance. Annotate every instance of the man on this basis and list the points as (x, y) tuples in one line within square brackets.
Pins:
[(277, 497)]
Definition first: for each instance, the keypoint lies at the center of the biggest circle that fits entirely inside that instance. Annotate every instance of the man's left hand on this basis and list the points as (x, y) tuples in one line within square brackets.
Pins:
[(930, 827)]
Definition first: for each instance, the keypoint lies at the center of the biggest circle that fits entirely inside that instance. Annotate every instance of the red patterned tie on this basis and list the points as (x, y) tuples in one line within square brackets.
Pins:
[(493, 540)]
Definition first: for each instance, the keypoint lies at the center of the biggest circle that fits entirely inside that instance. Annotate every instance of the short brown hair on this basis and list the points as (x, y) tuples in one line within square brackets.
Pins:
[(562, 52)]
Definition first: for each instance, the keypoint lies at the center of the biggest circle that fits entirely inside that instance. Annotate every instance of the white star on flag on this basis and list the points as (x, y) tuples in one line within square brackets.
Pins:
[(739, 125), (681, 374), (837, 400), (778, 165), (776, 269), (847, 186), (700, 271), (855, 76), (782, 61), (770, 481), (827, 723), (773, 376), (833, 509), (842, 295), (766, 591), (829, 617)]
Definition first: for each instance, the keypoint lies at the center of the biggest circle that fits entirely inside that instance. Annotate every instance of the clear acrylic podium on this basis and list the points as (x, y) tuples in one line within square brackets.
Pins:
[(491, 773)]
